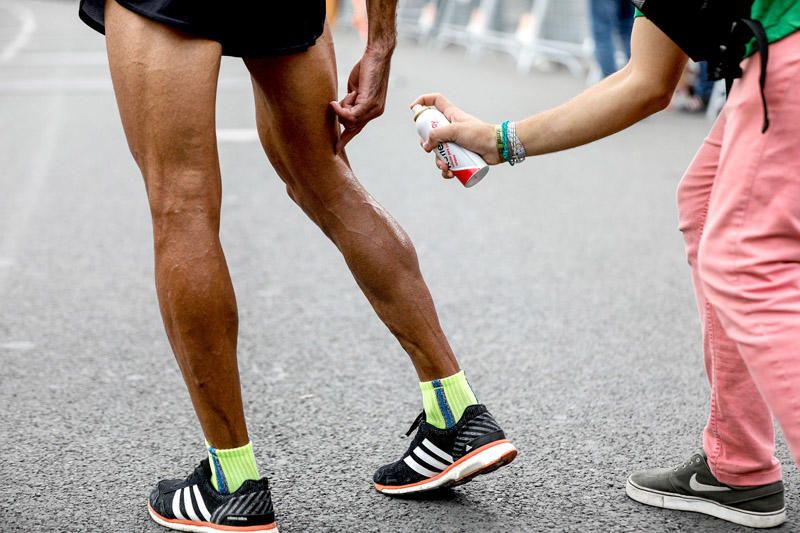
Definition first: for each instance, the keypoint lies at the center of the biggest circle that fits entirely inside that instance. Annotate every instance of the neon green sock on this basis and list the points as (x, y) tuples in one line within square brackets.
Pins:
[(231, 468), (445, 400)]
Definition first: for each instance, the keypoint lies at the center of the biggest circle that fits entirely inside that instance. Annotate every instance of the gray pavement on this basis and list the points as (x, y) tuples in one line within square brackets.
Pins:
[(561, 283)]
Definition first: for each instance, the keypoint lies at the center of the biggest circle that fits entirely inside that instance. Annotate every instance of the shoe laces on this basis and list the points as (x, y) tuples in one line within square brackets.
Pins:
[(695, 459), (416, 423)]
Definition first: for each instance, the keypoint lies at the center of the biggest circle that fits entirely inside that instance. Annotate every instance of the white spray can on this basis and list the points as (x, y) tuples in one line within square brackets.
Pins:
[(468, 167)]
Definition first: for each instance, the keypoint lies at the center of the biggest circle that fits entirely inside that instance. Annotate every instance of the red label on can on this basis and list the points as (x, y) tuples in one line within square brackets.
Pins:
[(465, 174)]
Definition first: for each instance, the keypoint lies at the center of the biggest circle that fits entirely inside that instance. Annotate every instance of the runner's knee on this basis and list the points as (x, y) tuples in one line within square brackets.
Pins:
[(352, 218), (184, 201), (321, 189)]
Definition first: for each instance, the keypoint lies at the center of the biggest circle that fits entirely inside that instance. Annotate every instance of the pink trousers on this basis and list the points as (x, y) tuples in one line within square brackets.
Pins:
[(739, 205)]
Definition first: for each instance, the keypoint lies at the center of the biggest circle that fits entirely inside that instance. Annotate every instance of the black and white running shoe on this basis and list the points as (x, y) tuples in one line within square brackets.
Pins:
[(439, 458), (692, 487), (193, 504)]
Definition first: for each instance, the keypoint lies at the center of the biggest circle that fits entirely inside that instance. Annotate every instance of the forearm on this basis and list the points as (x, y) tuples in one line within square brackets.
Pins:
[(612, 105), (642, 88), (382, 20)]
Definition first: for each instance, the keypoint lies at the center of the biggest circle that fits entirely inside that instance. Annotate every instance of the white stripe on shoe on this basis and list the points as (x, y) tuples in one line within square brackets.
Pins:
[(187, 503), (418, 468), (176, 506), (494, 454), (201, 505), (433, 448), (422, 454)]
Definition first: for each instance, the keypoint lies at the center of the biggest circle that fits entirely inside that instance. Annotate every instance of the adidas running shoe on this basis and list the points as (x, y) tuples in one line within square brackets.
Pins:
[(439, 458), (194, 505)]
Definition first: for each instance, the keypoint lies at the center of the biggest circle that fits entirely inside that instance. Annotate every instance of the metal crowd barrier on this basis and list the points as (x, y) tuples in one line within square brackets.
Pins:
[(533, 32)]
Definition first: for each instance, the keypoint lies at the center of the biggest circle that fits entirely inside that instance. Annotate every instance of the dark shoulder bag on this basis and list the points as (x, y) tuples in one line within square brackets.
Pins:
[(715, 31)]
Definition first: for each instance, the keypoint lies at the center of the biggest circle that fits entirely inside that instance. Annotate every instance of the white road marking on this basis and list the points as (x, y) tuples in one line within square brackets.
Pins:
[(17, 346), (15, 221), (49, 85), (27, 27), (68, 58), (93, 84), (248, 135)]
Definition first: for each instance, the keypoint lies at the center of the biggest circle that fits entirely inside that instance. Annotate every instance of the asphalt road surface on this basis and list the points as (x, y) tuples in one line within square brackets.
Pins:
[(561, 282)]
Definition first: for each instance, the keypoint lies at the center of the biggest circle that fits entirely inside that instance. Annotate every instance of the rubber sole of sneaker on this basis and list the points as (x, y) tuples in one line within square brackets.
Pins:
[(679, 502), (481, 461), (206, 527)]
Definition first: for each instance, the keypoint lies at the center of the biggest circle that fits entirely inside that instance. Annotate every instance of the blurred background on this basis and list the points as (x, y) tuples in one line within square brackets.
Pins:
[(561, 282), (588, 38)]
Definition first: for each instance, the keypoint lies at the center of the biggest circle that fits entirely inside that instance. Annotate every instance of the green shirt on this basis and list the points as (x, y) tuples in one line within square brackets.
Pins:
[(779, 18)]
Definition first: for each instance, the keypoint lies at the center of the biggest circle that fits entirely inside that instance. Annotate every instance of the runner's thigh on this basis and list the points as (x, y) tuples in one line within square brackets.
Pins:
[(165, 82), (297, 127)]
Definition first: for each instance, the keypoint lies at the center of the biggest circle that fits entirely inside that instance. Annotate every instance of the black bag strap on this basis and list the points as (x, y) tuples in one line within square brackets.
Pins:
[(763, 51)]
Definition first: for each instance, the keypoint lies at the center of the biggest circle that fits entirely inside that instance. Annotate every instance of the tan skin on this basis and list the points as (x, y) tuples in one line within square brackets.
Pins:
[(643, 87), (173, 140)]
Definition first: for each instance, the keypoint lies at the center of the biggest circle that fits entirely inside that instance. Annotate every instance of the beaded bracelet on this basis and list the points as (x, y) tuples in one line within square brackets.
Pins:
[(516, 148), (504, 128)]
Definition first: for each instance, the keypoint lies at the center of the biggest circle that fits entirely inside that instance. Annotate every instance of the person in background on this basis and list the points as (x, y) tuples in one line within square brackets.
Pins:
[(358, 20), (331, 13), (694, 90), (610, 19), (702, 87), (738, 210)]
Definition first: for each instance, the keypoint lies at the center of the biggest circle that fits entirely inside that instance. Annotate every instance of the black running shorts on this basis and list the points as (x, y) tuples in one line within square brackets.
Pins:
[(245, 28)]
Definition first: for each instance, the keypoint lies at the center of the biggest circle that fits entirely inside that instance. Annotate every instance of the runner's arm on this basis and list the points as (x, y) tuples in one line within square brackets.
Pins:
[(382, 21), (369, 79)]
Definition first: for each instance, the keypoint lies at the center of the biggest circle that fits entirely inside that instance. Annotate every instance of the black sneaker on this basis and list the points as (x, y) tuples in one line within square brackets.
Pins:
[(439, 458), (692, 487), (194, 505)]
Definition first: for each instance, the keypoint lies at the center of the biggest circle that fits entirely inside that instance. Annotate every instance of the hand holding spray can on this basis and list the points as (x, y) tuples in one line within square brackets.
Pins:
[(468, 167)]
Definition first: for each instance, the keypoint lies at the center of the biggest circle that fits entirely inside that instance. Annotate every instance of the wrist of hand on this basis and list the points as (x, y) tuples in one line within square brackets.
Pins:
[(382, 48), (509, 146), (498, 141)]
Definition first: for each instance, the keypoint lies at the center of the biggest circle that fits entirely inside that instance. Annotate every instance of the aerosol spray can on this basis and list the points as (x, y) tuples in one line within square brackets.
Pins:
[(468, 167)]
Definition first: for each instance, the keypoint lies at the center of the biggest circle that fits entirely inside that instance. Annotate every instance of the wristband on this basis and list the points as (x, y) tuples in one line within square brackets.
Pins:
[(504, 128), (498, 137)]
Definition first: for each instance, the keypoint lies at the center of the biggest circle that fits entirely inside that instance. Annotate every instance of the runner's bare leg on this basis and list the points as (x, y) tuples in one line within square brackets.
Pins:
[(165, 83), (299, 134)]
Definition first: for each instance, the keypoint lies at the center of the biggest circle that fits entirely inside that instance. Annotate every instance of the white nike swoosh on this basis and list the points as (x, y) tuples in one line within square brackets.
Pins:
[(702, 487)]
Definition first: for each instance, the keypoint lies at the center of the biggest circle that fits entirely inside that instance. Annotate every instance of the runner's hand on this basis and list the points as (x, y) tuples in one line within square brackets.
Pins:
[(366, 95), (464, 130)]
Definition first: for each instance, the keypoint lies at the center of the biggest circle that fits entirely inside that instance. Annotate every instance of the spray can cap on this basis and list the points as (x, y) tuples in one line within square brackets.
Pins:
[(418, 109)]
